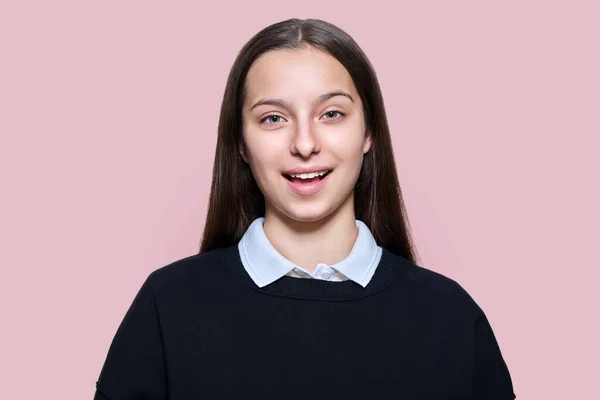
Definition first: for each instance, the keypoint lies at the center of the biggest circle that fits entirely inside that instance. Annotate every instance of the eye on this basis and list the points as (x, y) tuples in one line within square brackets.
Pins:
[(271, 119), (333, 114)]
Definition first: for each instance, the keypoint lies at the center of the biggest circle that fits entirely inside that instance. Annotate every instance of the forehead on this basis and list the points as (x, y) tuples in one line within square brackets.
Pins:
[(296, 75)]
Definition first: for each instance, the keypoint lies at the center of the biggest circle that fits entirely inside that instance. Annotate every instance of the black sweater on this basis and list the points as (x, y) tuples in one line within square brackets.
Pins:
[(200, 328)]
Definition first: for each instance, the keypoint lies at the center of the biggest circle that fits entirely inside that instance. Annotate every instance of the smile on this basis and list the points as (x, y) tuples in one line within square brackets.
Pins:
[(307, 183)]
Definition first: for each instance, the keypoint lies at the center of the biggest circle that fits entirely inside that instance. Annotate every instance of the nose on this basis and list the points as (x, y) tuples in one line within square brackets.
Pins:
[(304, 141)]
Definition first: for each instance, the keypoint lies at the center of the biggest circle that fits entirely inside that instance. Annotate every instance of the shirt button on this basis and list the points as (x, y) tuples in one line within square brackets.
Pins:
[(326, 275)]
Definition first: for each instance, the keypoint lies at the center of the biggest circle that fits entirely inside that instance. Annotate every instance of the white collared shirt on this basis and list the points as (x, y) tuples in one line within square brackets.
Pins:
[(265, 264)]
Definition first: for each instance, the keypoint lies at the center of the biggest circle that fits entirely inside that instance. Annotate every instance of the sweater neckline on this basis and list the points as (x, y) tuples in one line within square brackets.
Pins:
[(315, 289)]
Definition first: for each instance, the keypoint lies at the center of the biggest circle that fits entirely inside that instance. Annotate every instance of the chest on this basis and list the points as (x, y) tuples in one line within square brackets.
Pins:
[(326, 351)]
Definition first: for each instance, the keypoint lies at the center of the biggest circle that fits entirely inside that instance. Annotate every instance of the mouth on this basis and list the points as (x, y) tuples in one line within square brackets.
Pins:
[(306, 184), (307, 177)]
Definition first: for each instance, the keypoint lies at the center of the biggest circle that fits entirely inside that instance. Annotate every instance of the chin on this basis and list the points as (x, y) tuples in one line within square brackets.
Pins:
[(306, 217), (307, 213), (304, 211)]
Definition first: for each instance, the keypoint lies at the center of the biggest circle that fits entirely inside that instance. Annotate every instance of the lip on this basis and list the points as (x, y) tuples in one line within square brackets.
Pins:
[(306, 170), (308, 188)]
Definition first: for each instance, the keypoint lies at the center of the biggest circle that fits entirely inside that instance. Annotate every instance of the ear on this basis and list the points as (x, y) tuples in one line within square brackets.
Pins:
[(368, 142), (242, 150)]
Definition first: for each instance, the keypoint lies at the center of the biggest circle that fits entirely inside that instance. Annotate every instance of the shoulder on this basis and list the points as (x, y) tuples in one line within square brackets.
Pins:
[(188, 271), (434, 288)]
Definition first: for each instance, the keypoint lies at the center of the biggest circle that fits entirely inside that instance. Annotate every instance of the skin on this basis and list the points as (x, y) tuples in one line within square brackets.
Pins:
[(301, 132)]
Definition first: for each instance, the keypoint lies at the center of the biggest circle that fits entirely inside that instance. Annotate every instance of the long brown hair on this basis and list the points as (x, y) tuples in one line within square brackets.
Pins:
[(235, 199)]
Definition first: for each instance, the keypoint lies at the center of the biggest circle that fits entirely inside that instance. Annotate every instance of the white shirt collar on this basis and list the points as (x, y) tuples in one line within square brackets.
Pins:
[(265, 264)]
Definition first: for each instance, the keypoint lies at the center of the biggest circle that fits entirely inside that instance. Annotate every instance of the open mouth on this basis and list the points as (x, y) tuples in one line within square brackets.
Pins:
[(307, 178)]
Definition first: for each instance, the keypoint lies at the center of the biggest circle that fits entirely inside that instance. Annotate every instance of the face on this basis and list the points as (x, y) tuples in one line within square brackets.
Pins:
[(304, 134)]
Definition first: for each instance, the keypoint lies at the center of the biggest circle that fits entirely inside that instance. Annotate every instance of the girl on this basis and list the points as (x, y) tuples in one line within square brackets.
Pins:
[(306, 284)]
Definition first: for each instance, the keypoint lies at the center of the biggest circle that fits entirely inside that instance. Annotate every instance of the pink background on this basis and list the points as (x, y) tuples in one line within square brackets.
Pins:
[(108, 115)]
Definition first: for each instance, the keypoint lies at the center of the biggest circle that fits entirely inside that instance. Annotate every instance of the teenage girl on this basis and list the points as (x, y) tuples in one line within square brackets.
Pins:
[(306, 285)]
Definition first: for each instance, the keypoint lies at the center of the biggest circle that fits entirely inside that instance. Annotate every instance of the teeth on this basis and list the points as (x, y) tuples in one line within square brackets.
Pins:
[(309, 175)]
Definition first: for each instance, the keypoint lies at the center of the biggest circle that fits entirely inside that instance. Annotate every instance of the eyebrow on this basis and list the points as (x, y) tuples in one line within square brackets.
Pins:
[(284, 104)]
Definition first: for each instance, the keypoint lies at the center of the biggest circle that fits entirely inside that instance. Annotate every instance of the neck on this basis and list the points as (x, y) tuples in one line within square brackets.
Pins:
[(328, 240)]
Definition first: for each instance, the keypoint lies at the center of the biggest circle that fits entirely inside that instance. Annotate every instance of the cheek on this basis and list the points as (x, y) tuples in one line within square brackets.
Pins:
[(349, 152), (262, 160)]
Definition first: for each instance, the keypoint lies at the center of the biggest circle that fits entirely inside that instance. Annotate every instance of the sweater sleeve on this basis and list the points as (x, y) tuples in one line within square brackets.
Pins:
[(135, 365), (491, 378)]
